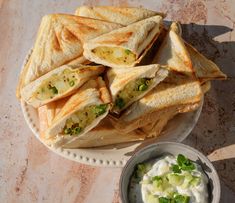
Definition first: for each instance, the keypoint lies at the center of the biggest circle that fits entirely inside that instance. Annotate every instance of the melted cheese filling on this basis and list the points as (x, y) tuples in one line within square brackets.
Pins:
[(81, 119), (130, 91), (115, 55), (56, 84)]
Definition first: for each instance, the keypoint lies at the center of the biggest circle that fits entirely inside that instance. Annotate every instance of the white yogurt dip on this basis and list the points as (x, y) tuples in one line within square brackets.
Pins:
[(171, 179)]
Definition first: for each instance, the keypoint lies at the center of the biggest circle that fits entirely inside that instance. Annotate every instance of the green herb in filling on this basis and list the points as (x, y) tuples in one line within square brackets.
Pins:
[(67, 131), (56, 84), (127, 51), (77, 130), (120, 102), (143, 87), (53, 89), (131, 90), (71, 83), (73, 130), (99, 110), (143, 84), (81, 119)]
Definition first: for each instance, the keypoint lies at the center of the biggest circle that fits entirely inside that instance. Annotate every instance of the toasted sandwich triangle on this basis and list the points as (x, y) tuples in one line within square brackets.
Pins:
[(59, 41)]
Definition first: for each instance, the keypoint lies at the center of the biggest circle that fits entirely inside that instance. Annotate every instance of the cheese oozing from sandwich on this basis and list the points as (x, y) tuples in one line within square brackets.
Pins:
[(81, 119), (130, 91), (115, 55), (56, 84)]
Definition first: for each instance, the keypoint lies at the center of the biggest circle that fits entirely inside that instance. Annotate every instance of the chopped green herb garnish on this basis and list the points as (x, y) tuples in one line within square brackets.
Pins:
[(176, 199), (164, 200), (127, 51), (142, 87), (181, 159), (71, 83), (175, 168), (184, 163), (120, 102), (181, 199), (188, 167)]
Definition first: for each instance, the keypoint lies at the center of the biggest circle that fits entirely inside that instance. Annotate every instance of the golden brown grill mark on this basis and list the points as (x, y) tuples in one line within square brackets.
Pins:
[(86, 27), (100, 16), (56, 41), (69, 35), (119, 39)]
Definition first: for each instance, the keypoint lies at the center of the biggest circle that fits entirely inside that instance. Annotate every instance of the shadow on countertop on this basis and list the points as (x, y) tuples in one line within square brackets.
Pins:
[(216, 126)]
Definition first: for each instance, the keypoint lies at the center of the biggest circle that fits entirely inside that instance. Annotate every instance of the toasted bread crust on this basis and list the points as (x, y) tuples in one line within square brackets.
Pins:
[(121, 15)]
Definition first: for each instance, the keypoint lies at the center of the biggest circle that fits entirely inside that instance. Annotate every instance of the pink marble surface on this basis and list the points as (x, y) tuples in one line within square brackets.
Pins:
[(31, 173)]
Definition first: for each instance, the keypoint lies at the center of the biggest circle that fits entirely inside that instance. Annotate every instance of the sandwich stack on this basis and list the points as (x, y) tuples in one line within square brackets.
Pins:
[(93, 83)]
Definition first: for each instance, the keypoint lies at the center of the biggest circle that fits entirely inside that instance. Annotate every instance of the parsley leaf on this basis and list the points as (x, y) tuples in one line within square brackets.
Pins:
[(164, 200), (184, 163), (181, 199), (175, 168)]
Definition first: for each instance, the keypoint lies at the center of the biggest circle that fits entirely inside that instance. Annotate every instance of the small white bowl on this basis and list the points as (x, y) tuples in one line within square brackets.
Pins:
[(157, 150)]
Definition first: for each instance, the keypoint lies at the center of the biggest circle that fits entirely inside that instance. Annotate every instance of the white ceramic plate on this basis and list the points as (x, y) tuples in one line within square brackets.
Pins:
[(116, 155)]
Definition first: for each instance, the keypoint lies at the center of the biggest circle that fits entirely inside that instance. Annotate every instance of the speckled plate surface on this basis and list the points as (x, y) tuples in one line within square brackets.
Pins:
[(115, 155)]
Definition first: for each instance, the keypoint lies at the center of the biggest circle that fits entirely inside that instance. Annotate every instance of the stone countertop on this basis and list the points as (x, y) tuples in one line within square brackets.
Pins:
[(29, 172)]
